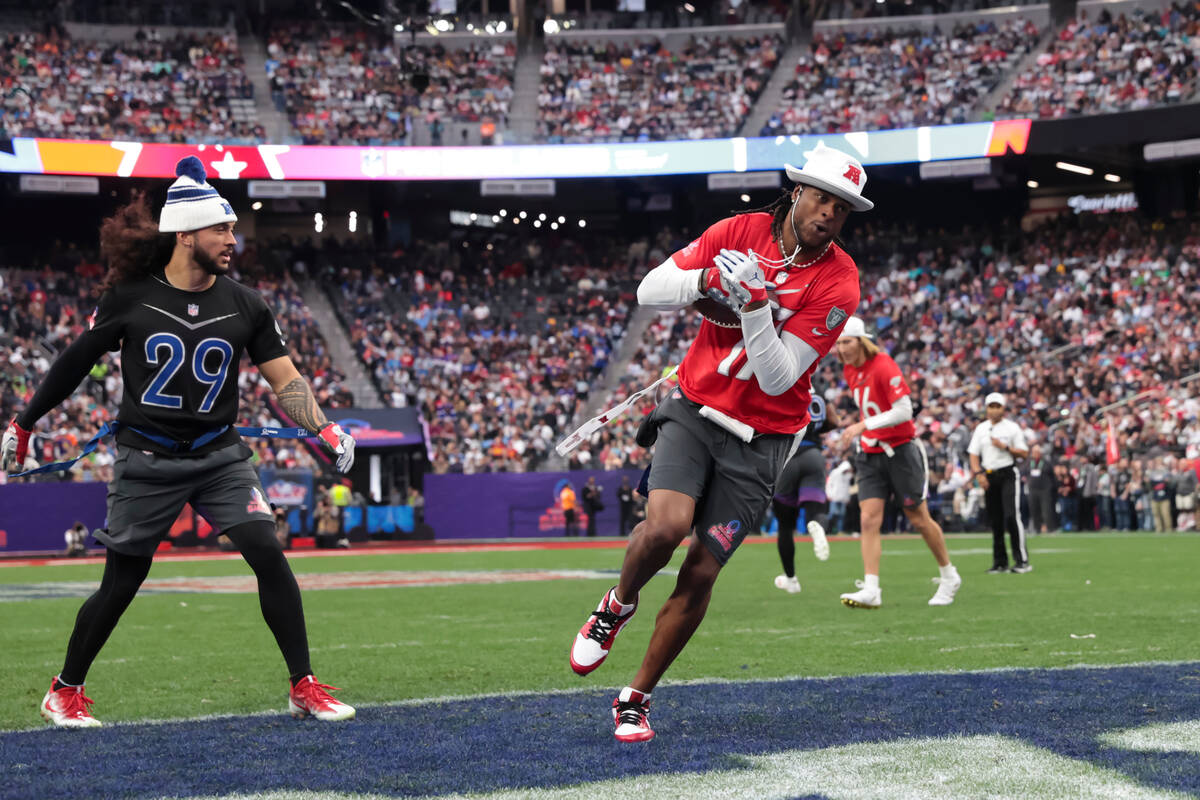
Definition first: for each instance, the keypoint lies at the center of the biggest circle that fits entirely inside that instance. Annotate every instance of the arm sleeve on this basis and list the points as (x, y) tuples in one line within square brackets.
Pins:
[(668, 288), (106, 328), (673, 284), (65, 374), (268, 342), (777, 361), (1019, 441), (901, 411)]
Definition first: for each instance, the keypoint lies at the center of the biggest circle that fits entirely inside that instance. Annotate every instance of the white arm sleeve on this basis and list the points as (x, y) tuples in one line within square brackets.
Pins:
[(778, 362), (668, 288), (901, 411)]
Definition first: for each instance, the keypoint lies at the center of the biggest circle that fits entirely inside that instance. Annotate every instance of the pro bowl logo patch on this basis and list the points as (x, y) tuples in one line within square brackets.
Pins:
[(835, 317), (895, 381), (258, 504), (725, 534)]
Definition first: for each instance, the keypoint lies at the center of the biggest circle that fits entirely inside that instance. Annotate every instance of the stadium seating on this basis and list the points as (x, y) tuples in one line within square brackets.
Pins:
[(497, 349), (878, 79), (186, 88), (597, 91), (1125, 63), (345, 86)]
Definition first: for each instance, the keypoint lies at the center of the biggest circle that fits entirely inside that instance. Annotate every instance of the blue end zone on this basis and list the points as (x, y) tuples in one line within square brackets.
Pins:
[(555, 740)]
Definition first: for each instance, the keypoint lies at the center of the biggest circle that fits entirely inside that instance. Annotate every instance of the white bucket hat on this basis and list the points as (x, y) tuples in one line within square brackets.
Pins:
[(191, 203), (835, 172), (855, 327)]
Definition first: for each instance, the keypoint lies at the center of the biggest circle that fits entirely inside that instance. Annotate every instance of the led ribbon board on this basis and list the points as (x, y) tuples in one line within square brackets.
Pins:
[(320, 162)]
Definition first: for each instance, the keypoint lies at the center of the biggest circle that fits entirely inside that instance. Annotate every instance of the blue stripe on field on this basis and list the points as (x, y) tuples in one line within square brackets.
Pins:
[(555, 740)]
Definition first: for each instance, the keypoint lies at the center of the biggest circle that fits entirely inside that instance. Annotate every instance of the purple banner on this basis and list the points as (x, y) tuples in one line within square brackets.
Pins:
[(499, 505), (34, 516)]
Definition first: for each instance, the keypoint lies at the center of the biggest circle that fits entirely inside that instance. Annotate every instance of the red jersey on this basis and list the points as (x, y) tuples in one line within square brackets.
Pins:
[(876, 386), (815, 303)]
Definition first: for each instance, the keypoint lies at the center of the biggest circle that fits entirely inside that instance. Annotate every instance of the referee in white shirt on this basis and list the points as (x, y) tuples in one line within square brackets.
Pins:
[(995, 446)]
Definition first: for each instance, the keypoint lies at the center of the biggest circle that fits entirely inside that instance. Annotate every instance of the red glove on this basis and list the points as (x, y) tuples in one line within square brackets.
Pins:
[(340, 442), (14, 448), (715, 288)]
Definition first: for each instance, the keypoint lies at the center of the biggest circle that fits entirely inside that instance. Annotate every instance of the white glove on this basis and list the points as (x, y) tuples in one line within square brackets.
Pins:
[(742, 276), (341, 443), (14, 448)]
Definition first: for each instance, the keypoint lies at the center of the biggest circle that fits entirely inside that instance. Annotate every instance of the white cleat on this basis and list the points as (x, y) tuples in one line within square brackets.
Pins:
[(864, 597), (820, 543), (946, 590), (789, 585)]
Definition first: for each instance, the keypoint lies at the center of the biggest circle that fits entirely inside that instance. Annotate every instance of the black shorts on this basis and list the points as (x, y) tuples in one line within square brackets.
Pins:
[(148, 492), (730, 480), (803, 479), (904, 474)]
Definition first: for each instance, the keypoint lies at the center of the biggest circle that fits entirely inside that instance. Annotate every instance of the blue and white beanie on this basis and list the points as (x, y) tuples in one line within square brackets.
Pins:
[(191, 203)]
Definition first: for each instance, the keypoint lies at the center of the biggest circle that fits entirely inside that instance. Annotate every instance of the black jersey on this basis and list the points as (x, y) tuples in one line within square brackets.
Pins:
[(180, 352), (818, 422)]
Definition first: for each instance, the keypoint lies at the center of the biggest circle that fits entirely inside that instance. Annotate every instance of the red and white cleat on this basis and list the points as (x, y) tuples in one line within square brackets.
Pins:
[(67, 707), (596, 637), (631, 714), (311, 698)]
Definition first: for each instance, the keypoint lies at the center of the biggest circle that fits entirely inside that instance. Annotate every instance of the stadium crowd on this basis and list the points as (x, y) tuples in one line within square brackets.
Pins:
[(498, 343), (599, 91), (886, 79), (1126, 63), (352, 86), (190, 87)]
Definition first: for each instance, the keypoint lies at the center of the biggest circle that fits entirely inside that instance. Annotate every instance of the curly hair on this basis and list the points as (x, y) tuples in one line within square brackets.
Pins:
[(778, 209), (131, 245)]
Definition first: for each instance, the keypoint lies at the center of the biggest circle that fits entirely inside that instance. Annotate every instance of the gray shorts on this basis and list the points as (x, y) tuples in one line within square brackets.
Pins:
[(730, 480), (803, 479), (904, 474), (148, 492)]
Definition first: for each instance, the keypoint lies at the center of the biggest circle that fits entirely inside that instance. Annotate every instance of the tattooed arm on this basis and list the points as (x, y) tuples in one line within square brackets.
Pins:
[(296, 398), (293, 392)]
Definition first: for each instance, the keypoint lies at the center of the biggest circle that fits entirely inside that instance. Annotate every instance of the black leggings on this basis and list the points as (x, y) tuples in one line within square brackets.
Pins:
[(787, 516), (278, 596)]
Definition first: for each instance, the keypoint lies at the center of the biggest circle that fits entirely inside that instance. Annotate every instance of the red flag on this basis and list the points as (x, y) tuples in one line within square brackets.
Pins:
[(1112, 454)]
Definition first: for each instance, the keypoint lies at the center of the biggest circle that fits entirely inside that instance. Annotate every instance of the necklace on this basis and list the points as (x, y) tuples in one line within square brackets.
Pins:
[(787, 262)]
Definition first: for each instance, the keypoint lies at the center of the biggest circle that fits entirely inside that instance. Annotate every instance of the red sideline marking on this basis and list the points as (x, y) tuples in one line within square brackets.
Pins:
[(468, 546)]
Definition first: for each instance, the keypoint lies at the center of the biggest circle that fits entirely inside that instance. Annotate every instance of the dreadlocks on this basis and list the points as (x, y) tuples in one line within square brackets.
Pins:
[(131, 244), (778, 209)]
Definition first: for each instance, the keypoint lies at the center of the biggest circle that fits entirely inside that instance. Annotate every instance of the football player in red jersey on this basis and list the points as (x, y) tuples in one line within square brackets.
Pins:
[(891, 460), (741, 406)]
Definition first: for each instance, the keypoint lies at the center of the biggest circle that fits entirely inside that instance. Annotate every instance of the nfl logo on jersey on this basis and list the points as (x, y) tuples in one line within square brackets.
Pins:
[(193, 310)]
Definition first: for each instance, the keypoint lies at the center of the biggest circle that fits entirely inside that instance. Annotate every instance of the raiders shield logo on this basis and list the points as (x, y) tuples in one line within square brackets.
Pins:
[(836, 317)]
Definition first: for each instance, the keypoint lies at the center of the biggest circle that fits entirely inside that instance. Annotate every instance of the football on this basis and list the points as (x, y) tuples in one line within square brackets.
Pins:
[(717, 313)]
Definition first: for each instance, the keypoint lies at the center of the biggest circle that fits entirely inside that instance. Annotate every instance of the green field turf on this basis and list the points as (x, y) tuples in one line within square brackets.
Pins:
[(189, 655)]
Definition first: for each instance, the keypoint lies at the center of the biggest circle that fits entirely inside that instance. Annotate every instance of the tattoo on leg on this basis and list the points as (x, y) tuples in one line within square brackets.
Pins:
[(298, 403)]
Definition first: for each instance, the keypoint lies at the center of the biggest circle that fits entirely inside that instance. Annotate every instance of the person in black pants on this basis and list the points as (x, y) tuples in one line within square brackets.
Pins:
[(625, 503), (1041, 491), (592, 504), (994, 448)]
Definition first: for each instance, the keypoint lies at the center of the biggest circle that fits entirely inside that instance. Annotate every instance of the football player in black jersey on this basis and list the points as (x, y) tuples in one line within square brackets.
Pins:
[(181, 325), (801, 486)]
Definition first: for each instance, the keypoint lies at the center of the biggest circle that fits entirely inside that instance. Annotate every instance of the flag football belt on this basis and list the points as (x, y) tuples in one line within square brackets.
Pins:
[(111, 428), (589, 428)]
